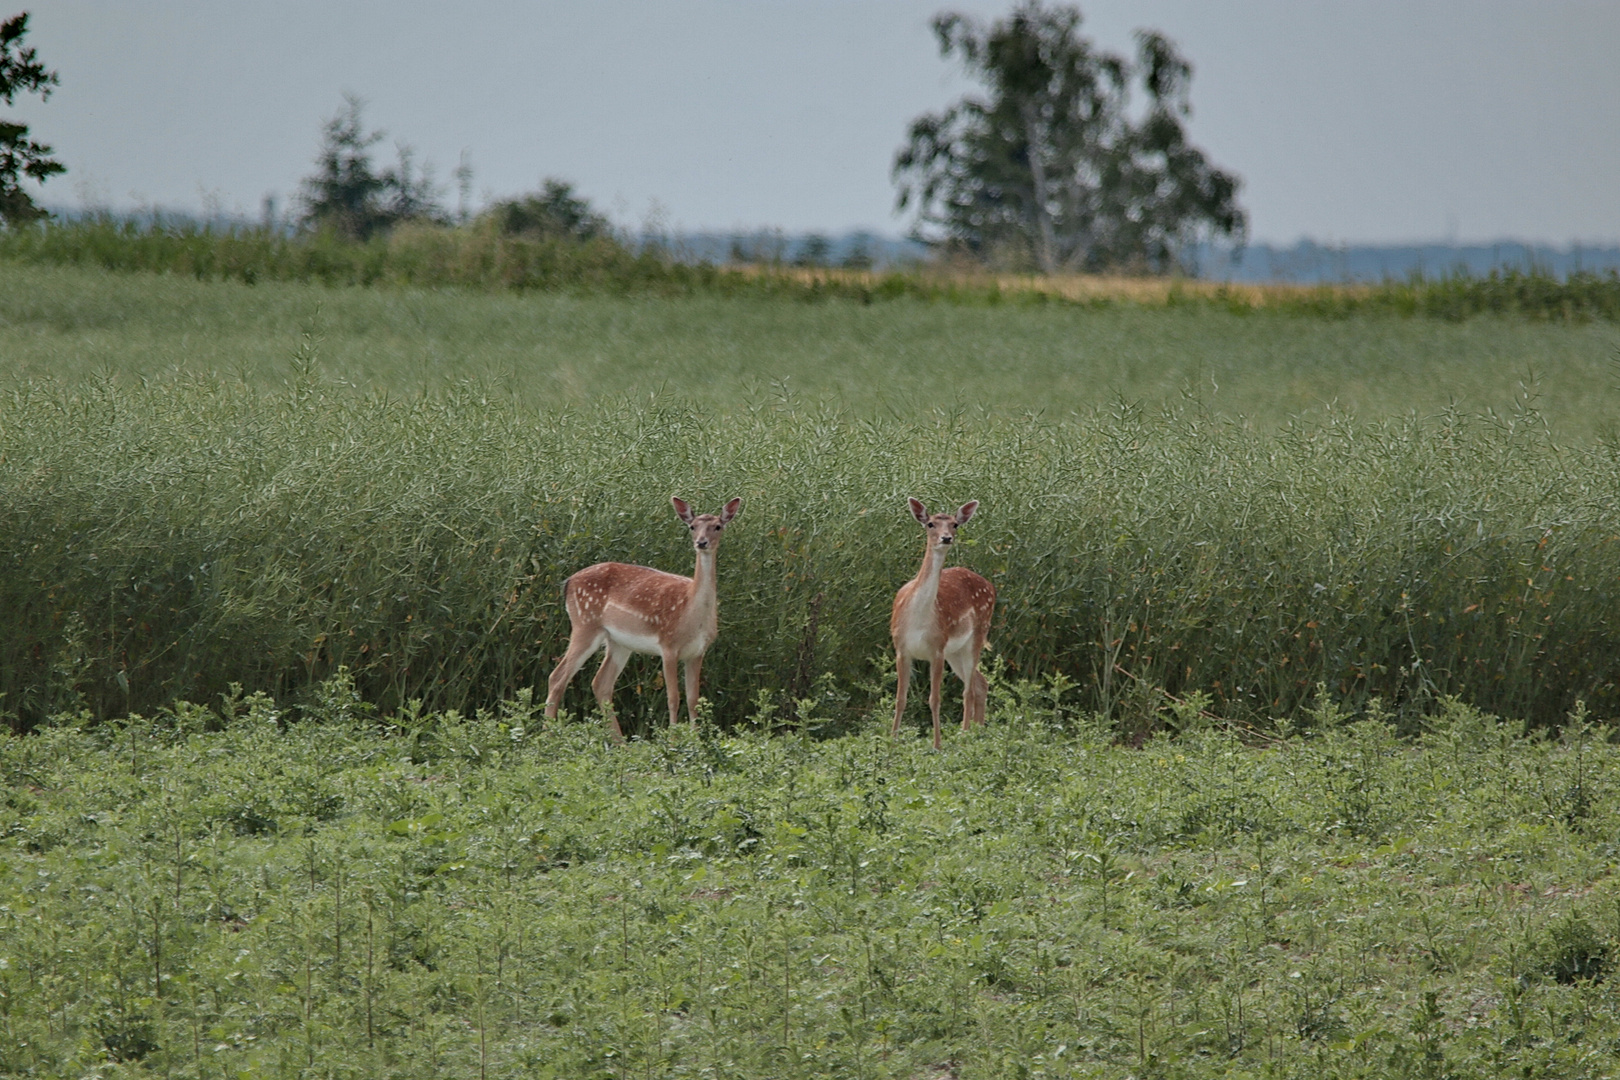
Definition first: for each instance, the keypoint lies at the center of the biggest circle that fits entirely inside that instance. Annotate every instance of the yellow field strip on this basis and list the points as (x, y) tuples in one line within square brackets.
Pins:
[(1148, 290)]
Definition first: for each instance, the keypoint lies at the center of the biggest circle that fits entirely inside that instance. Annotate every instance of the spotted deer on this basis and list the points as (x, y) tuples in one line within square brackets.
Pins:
[(943, 616), (636, 609)]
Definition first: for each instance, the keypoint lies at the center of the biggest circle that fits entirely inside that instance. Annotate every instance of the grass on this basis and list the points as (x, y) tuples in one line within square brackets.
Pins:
[(214, 893), (728, 355)]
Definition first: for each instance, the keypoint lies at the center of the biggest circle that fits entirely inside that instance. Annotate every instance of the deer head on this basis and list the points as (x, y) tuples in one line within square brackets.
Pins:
[(706, 528), (942, 527)]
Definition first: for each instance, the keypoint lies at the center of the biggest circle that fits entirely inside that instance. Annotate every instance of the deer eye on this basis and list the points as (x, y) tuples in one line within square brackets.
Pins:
[(931, 524)]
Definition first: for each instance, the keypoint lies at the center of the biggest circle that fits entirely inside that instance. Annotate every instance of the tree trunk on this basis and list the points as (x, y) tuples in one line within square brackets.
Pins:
[(1045, 243)]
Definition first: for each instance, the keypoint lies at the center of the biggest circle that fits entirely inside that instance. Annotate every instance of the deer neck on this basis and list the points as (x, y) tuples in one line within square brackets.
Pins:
[(703, 593), (927, 590)]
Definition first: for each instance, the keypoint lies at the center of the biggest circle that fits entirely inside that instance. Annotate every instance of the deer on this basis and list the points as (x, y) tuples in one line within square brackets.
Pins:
[(943, 616), (636, 609)]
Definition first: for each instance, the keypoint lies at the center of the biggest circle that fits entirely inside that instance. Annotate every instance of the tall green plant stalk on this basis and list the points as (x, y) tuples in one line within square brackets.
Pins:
[(179, 538)]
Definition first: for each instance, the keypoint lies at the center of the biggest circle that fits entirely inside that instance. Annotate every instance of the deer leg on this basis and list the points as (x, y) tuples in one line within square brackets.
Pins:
[(974, 686), (694, 671), (902, 669), (981, 685), (936, 672), (580, 647), (672, 686), (980, 691), (960, 668), (602, 685)]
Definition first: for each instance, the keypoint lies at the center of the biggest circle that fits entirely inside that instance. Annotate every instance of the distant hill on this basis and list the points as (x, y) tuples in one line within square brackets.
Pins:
[(1307, 261), (1304, 262), (859, 248)]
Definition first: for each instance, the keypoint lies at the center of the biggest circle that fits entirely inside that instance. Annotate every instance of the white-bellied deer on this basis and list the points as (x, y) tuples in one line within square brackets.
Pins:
[(943, 616), (636, 609)]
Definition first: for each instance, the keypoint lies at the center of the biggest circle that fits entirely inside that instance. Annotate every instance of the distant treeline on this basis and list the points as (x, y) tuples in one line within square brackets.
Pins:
[(481, 256), (493, 253)]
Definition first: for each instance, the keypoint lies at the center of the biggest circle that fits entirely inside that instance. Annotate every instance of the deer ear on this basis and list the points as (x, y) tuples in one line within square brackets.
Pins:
[(730, 511), (966, 512), (918, 511), (683, 511)]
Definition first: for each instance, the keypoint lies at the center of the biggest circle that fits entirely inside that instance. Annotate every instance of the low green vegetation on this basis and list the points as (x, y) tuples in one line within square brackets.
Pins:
[(1531, 294), (409, 255), (224, 893)]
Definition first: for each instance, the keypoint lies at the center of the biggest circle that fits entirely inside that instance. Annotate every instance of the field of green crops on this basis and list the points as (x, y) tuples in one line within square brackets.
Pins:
[(1243, 806), (227, 895), (733, 355)]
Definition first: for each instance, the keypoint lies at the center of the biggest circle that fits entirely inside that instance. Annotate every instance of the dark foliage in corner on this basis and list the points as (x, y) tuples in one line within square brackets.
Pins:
[(21, 72)]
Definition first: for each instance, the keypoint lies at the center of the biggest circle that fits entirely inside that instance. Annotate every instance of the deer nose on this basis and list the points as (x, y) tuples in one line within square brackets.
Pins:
[(703, 543), (945, 539)]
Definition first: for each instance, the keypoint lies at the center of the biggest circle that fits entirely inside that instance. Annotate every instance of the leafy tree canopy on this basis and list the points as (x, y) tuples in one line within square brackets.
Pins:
[(21, 73), (1052, 166), (554, 211), (348, 194)]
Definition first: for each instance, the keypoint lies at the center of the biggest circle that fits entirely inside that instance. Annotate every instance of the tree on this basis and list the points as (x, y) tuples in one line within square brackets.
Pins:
[(349, 196), (816, 250), (555, 211), (1049, 167), (21, 73)]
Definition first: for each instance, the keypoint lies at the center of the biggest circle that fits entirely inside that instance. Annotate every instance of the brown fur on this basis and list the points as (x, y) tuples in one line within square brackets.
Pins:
[(938, 606), (624, 609)]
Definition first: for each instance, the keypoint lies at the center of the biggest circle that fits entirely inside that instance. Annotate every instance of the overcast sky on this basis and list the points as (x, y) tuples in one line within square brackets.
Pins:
[(1379, 121)]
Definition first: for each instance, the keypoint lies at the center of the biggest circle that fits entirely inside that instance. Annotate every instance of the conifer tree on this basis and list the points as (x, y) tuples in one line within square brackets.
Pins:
[(22, 73)]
